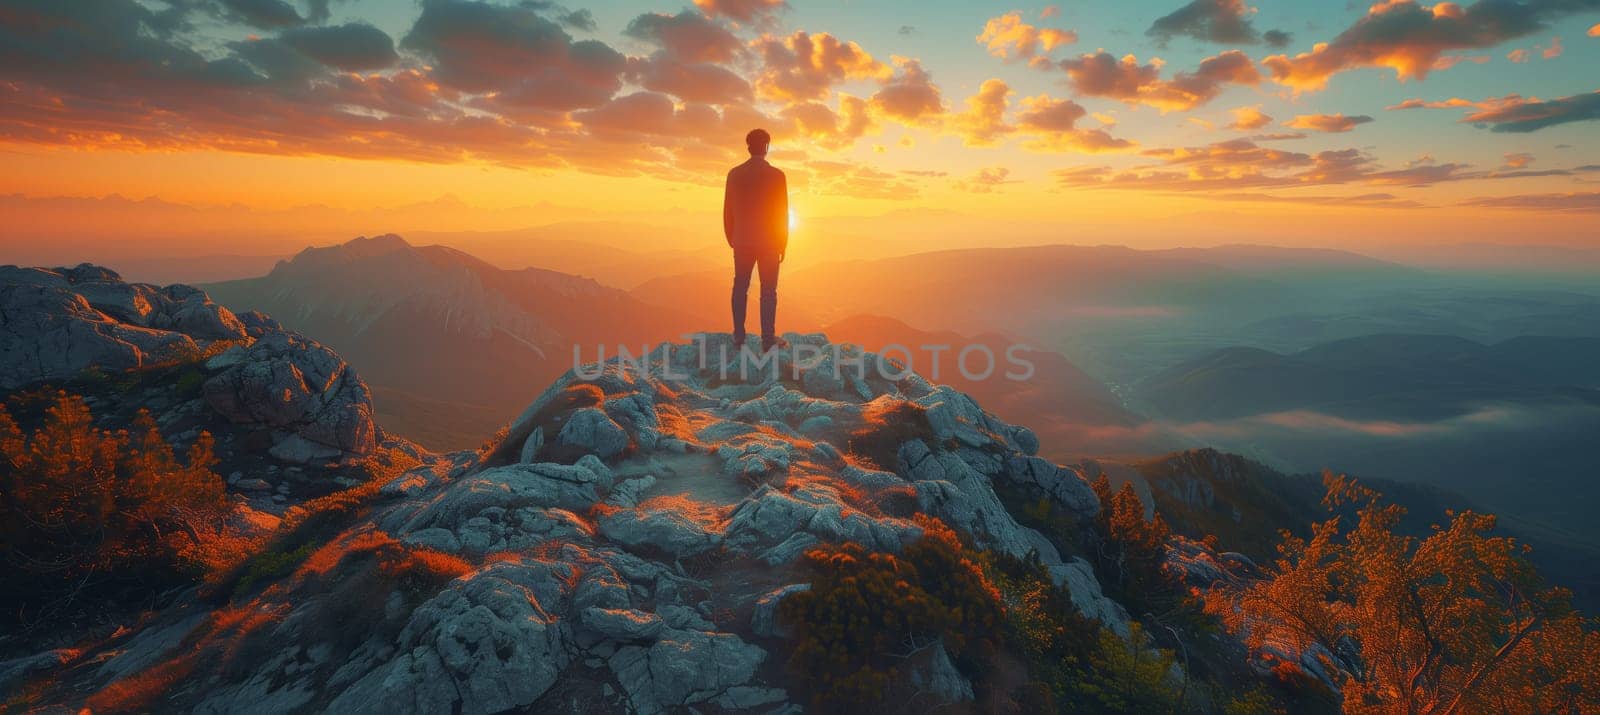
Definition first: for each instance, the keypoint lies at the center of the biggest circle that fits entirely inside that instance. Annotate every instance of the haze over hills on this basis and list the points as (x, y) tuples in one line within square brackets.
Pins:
[(1510, 425), (444, 332)]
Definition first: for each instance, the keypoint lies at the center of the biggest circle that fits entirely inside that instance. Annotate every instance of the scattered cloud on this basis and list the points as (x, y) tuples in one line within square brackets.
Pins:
[(1052, 125), (1329, 123), (986, 181), (1102, 75), (1009, 38), (1249, 118), (1410, 38), (983, 122), (1518, 160), (1515, 114), (1221, 21), (910, 95), (832, 129), (806, 66), (689, 36), (741, 10), (1519, 56), (1243, 164), (1579, 201), (1554, 50), (1595, 31)]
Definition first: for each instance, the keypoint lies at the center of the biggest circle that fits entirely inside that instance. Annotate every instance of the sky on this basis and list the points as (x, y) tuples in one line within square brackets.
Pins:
[(1144, 122)]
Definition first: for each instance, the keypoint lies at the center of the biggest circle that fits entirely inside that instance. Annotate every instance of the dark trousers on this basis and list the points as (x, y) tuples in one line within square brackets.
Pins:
[(743, 261)]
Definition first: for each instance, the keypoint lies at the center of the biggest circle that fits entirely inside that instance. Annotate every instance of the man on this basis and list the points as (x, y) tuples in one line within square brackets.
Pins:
[(755, 218)]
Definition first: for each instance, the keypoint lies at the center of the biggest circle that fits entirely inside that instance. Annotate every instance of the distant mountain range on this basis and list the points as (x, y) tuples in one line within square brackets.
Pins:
[(442, 332)]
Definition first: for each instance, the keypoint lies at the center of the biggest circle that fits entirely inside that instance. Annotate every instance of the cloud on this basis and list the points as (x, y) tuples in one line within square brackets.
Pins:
[(1009, 38), (1221, 21), (1595, 31), (1249, 118), (1580, 201), (1053, 125), (741, 10), (476, 47), (1379, 200), (1518, 160), (1410, 38), (475, 82), (688, 36), (983, 122), (1239, 164), (1102, 75), (267, 14), (986, 181), (1329, 123), (580, 19), (1554, 50), (832, 130), (691, 81), (1519, 56), (909, 96), (1050, 11), (1424, 104), (805, 66), (1515, 114), (354, 47)]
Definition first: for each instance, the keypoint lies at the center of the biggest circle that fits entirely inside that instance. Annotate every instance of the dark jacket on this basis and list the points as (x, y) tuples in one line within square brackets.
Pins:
[(755, 208)]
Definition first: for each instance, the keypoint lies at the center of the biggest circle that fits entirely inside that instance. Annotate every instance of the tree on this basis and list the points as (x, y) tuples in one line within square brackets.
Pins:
[(1456, 622), (1132, 549)]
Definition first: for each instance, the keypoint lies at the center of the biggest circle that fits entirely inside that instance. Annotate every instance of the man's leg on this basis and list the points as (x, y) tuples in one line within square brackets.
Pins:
[(769, 296), (743, 263)]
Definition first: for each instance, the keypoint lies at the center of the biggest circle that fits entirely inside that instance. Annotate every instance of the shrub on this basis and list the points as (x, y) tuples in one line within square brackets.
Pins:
[(80, 504), (868, 616)]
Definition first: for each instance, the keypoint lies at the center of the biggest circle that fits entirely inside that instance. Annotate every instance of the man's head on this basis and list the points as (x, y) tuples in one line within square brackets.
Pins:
[(757, 142)]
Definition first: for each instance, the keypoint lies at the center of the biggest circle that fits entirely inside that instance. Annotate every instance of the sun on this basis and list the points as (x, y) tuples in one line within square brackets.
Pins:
[(794, 220)]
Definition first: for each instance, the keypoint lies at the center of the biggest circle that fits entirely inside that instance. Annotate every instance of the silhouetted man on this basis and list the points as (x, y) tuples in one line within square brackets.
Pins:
[(755, 218)]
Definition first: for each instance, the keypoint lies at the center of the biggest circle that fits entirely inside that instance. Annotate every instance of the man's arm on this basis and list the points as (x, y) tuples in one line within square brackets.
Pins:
[(783, 216), (727, 209)]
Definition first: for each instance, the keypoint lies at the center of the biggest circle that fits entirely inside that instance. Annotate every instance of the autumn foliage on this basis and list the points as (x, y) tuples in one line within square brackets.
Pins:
[(1457, 622), (869, 616), (79, 503)]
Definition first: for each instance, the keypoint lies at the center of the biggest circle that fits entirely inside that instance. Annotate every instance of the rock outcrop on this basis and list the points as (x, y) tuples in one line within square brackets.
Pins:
[(57, 325), (628, 542)]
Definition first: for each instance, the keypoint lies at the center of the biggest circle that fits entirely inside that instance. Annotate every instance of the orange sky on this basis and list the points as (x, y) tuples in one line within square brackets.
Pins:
[(1016, 121)]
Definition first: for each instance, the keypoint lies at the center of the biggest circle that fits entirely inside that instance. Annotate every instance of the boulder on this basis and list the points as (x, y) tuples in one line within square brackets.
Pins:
[(295, 386), (592, 430)]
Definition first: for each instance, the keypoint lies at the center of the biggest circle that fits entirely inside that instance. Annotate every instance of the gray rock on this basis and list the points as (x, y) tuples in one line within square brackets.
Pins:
[(764, 619), (591, 429), (660, 529), (940, 678), (289, 384), (693, 666), (17, 671), (624, 624), (531, 446)]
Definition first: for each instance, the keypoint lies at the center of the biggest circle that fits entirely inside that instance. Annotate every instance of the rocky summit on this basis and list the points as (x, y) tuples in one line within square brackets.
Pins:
[(624, 544)]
